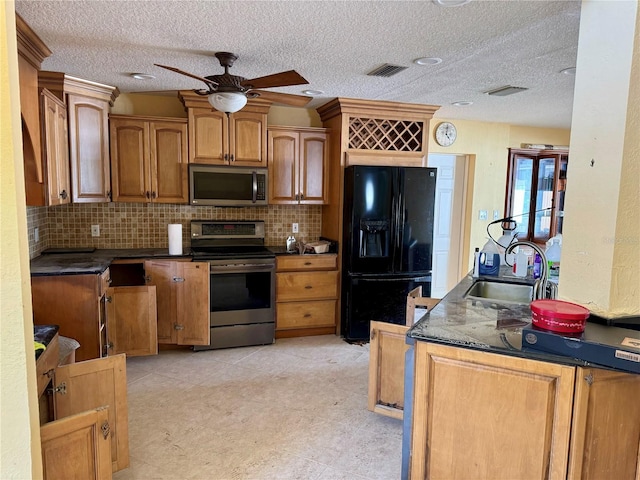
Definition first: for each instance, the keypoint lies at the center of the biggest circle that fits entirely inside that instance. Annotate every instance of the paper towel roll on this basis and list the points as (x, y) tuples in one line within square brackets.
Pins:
[(175, 239)]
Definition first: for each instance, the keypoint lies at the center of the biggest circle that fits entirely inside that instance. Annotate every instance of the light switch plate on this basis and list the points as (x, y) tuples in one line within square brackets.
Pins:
[(95, 230), (294, 228), (483, 215)]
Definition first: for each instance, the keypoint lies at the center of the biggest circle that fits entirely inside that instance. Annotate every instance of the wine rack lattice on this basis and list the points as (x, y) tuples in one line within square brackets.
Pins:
[(385, 134)]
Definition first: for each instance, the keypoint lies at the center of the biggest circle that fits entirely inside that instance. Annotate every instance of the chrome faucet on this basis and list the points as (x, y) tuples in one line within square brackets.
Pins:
[(542, 283)]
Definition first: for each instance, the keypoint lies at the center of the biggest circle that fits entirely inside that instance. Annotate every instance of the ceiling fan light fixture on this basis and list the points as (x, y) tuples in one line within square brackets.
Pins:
[(227, 102)]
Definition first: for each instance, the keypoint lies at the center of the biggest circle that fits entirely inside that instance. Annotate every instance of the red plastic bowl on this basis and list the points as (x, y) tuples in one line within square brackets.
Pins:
[(559, 316)]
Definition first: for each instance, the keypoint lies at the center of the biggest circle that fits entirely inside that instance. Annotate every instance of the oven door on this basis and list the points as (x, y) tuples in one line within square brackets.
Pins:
[(242, 291)]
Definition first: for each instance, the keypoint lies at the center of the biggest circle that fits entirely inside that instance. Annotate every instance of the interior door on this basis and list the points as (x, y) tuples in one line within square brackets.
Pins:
[(77, 447), (94, 384)]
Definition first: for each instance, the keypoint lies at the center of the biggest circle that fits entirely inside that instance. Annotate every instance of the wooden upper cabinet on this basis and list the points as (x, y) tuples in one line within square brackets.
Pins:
[(31, 52), (217, 139), (149, 159), (536, 182), (298, 165), (208, 136), (248, 139), (56, 148), (88, 106)]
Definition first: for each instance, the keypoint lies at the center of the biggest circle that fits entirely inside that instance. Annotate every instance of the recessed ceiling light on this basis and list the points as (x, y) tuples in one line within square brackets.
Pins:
[(427, 61), (462, 104), (312, 92), (142, 76), (569, 71), (450, 3)]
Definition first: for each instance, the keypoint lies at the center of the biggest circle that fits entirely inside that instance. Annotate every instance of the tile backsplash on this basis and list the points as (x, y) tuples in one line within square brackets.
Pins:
[(144, 225)]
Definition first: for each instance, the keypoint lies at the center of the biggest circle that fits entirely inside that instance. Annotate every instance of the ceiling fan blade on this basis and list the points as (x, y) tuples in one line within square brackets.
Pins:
[(286, 98), (182, 72), (282, 79)]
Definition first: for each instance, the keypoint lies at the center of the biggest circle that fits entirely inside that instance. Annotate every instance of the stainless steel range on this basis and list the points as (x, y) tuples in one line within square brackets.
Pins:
[(242, 283)]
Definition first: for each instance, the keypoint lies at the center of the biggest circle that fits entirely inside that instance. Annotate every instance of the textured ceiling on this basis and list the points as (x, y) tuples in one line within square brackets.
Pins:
[(484, 45)]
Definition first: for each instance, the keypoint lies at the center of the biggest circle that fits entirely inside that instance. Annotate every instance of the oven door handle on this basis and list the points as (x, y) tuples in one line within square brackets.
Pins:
[(240, 267)]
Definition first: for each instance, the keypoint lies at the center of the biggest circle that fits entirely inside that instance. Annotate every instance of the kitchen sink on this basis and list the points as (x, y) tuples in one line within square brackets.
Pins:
[(503, 292)]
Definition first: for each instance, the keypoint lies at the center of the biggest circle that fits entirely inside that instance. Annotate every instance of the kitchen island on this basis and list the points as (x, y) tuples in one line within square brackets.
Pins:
[(479, 406)]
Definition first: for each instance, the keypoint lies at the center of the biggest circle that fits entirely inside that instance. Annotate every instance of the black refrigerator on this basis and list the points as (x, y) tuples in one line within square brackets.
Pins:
[(387, 243)]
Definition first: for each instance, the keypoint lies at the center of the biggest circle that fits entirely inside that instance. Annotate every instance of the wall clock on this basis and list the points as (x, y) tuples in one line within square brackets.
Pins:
[(446, 134)]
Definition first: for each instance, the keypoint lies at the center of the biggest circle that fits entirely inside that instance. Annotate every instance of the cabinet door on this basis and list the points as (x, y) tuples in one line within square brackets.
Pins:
[(192, 299), (386, 369), (314, 168), (56, 149), (89, 148), (283, 167), (168, 162), (129, 160), (71, 302), (160, 273), (606, 407), (77, 447), (208, 136), (132, 320), (95, 384), (248, 139), (472, 410)]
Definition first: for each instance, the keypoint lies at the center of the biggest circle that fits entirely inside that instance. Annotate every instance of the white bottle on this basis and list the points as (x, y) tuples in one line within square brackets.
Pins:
[(553, 259), (521, 265)]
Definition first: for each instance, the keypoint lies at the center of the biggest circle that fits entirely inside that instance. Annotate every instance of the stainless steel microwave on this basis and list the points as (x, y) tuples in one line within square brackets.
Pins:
[(227, 186)]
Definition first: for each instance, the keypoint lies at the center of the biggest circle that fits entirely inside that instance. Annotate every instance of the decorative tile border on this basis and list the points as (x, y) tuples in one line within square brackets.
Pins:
[(144, 225)]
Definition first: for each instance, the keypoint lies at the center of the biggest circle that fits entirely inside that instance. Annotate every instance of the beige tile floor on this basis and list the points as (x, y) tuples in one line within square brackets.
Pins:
[(293, 410)]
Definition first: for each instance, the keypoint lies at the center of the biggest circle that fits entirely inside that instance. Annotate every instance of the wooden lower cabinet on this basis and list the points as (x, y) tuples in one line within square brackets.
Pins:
[(386, 368), (182, 289), (75, 303), (485, 416), (489, 416), (605, 435), (132, 321), (306, 295), (89, 437)]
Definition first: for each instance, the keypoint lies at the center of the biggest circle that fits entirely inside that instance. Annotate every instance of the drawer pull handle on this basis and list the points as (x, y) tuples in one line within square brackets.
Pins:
[(307, 315), (308, 287), (308, 263)]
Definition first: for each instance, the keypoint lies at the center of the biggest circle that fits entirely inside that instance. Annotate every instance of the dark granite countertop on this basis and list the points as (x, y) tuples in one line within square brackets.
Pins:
[(479, 325), (94, 262), (44, 334)]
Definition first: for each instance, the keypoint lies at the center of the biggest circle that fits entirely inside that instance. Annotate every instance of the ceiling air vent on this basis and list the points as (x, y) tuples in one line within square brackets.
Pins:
[(386, 70), (506, 90)]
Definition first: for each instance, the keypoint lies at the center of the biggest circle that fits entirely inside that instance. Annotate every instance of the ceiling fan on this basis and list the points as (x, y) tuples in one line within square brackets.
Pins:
[(228, 93)]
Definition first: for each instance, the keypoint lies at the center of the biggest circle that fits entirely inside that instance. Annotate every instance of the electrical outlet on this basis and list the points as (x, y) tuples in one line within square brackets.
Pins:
[(95, 230), (36, 234), (483, 215), (294, 228)]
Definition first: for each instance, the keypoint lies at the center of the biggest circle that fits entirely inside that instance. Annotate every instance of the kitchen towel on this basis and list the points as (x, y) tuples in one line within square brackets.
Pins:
[(175, 239)]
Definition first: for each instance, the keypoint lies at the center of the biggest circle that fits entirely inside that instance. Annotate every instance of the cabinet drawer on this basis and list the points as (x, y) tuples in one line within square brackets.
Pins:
[(305, 314), (306, 286), (307, 262)]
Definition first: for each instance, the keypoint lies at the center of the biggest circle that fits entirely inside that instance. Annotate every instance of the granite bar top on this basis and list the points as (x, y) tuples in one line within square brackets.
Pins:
[(94, 262), (481, 325)]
